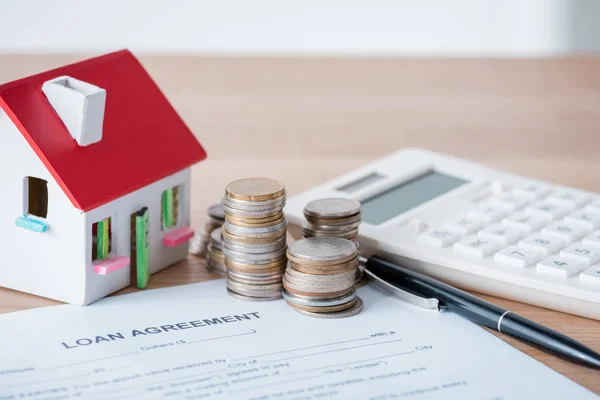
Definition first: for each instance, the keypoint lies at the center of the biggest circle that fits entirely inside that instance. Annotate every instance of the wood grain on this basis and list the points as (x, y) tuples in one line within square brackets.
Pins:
[(307, 120)]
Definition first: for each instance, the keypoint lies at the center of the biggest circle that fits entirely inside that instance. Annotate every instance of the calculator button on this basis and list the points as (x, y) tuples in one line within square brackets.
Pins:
[(529, 223), (567, 198), (439, 237), (533, 191), (546, 210), (587, 255), (496, 187), (417, 225), (558, 266), (594, 206), (503, 234), (591, 275), (593, 239), (465, 225), (588, 219), (489, 213), (568, 232), (476, 247), (518, 257), (511, 200), (543, 243)]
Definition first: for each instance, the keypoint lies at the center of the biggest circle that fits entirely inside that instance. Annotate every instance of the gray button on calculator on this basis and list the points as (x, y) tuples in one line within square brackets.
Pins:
[(476, 247), (559, 267), (544, 243), (518, 257), (439, 237), (580, 252), (591, 275)]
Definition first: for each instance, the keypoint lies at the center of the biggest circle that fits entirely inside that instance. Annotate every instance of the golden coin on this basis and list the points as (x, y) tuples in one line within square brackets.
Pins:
[(341, 307), (315, 294), (257, 225), (253, 221), (324, 269), (255, 189), (236, 266)]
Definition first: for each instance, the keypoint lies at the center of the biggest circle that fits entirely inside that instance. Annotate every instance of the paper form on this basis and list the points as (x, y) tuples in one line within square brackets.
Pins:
[(195, 342)]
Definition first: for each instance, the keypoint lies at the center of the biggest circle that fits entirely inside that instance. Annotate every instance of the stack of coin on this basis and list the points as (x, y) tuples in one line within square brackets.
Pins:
[(214, 219), (254, 238), (215, 259), (319, 279), (337, 217)]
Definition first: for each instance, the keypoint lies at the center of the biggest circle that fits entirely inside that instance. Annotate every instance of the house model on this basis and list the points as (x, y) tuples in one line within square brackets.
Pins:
[(95, 173)]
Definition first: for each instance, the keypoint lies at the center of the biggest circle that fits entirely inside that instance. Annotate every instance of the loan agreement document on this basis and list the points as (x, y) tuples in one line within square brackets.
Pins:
[(196, 342)]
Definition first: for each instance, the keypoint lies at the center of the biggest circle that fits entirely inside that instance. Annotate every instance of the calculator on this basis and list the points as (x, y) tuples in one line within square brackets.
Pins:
[(476, 227)]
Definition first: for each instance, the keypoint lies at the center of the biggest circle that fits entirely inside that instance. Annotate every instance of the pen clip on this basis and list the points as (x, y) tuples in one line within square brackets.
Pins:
[(409, 297)]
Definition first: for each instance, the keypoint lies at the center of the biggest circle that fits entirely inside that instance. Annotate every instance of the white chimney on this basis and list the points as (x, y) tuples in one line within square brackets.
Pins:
[(80, 105)]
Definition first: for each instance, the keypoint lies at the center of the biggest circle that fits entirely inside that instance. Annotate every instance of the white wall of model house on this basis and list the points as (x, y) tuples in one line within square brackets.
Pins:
[(120, 210), (48, 264)]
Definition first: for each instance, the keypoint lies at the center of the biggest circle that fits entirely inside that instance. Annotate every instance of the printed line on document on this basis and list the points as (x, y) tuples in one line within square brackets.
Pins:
[(353, 362), (46, 381), (333, 351), (275, 384), (89, 361), (252, 332), (301, 348)]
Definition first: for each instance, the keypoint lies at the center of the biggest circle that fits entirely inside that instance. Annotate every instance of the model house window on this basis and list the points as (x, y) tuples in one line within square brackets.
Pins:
[(36, 197), (170, 208), (102, 239)]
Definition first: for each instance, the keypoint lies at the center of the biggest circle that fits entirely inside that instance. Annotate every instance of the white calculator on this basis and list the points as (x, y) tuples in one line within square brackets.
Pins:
[(476, 228)]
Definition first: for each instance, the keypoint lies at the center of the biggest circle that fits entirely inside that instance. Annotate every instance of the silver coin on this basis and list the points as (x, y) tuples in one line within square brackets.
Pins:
[(255, 248), (357, 308), (216, 212), (253, 281), (319, 301), (321, 277), (316, 286), (254, 290), (250, 214), (216, 235), (254, 232), (332, 208), (256, 277), (344, 235), (253, 206), (331, 227), (248, 298), (216, 267), (322, 249), (249, 258)]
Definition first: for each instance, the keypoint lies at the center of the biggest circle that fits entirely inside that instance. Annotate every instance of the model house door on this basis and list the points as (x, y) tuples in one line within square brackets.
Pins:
[(142, 248)]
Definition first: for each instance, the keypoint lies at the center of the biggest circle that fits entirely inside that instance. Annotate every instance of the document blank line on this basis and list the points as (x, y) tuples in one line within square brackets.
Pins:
[(332, 351), (252, 332), (353, 362), (89, 361), (275, 384), (301, 348), (46, 381)]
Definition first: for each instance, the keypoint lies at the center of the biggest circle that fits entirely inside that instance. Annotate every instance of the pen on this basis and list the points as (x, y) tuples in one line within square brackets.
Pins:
[(480, 311)]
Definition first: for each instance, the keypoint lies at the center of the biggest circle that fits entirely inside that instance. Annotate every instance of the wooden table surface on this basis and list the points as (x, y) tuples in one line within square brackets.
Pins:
[(307, 120)]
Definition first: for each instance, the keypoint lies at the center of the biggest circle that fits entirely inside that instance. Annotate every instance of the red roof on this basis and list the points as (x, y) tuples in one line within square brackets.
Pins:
[(143, 138)]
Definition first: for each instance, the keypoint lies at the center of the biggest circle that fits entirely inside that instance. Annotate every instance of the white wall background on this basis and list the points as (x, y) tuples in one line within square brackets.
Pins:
[(380, 27)]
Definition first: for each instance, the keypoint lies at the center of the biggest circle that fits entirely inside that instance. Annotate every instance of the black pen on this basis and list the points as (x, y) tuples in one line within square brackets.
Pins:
[(480, 311)]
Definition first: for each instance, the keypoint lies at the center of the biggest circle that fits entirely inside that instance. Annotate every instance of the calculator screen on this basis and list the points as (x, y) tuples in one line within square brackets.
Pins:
[(407, 195)]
